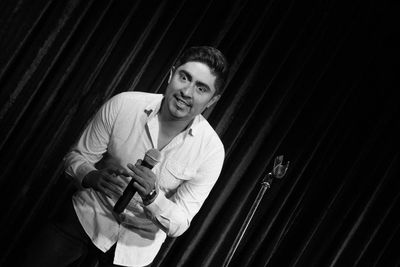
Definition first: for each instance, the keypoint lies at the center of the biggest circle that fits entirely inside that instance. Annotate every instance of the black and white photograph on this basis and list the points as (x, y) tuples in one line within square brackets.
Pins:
[(214, 133)]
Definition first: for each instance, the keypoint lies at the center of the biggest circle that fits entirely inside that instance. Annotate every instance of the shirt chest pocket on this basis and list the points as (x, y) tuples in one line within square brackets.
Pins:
[(174, 174)]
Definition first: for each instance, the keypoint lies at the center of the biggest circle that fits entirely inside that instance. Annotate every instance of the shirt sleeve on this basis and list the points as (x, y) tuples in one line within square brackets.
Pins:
[(173, 215), (93, 142)]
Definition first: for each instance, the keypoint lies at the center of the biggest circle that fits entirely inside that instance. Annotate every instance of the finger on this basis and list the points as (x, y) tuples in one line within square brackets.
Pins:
[(135, 170), (122, 171), (117, 181), (141, 170), (146, 184), (111, 188), (130, 166), (124, 179), (104, 190), (146, 174), (146, 178), (116, 171), (108, 193), (114, 180), (138, 163), (144, 169), (140, 189), (139, 180)]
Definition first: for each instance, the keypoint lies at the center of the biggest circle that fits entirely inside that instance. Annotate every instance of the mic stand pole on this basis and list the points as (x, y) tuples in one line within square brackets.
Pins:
[(279, 170), (265, 184)]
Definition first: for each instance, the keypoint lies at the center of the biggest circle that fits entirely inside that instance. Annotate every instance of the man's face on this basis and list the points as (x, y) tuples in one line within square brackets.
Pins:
[(190, 91)]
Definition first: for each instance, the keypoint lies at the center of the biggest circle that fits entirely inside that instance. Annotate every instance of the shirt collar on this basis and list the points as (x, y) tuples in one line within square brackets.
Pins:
[(192, 129), (153, 108)]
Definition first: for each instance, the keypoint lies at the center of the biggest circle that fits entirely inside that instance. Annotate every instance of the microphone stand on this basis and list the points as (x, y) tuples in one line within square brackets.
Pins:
[(279, 171)]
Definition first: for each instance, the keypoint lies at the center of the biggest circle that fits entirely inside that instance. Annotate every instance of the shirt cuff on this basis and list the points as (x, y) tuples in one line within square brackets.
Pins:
[(83, 170), (159, 205), (155, 210)]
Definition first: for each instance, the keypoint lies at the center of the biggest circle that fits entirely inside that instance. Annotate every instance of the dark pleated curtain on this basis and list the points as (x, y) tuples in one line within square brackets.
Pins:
[(312, 80)]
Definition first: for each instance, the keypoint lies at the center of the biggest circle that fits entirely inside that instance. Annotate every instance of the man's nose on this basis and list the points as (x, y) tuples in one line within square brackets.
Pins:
[(188, 90)]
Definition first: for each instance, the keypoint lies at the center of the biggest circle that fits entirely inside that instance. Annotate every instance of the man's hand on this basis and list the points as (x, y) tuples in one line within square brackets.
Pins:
[(107, 181), (145, 179)]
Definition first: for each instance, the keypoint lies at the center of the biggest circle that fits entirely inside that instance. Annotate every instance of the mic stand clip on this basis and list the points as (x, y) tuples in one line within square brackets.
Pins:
[(278, 171)]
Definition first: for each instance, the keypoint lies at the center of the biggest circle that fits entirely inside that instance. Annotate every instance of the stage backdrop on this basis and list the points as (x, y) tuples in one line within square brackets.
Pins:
[(312, 80)]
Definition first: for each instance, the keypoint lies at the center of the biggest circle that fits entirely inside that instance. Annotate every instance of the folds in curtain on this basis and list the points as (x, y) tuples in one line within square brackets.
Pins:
[(310, 80)]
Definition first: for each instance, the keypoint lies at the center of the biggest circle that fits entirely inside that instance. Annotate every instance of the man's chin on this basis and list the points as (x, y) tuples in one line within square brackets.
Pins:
[(180, 116), (178, 112)]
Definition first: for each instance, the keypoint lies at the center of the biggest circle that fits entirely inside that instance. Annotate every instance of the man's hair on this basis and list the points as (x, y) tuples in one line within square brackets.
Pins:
[(210, 56)]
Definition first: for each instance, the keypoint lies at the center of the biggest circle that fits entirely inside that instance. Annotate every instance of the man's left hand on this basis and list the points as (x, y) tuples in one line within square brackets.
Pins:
[(144, 178)]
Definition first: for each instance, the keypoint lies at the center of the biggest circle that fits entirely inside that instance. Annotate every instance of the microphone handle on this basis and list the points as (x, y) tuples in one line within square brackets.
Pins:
[(126, 197), (128, 193)]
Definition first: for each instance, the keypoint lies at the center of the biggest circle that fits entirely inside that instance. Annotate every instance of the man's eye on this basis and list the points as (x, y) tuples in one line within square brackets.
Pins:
[(202, 89), (183, 77)]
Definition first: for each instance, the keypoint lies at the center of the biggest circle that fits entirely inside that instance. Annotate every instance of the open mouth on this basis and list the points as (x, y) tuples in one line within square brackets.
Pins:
[(181, 103)]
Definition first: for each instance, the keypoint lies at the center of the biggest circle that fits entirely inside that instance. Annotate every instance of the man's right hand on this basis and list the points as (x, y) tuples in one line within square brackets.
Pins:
[(107, 181)]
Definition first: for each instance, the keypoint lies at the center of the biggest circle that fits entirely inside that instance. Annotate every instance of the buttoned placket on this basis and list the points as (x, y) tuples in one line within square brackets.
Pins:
[(153, 126)]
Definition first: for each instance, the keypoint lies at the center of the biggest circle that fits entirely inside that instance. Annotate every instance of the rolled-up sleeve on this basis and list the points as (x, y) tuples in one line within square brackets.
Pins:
[(174, 214), (93, 142)]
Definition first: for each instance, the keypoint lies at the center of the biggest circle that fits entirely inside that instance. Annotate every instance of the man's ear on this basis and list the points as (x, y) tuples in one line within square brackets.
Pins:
[(171, 72), (213, 100)]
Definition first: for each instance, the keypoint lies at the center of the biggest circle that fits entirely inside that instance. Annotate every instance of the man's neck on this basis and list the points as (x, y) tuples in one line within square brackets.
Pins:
[(170, 126)]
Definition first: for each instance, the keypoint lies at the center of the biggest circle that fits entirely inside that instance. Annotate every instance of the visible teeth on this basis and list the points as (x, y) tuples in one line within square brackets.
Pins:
[(182, 102)]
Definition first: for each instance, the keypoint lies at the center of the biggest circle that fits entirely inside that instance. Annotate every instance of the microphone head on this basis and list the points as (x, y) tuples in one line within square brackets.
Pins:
[(280, 168), (152, 157)]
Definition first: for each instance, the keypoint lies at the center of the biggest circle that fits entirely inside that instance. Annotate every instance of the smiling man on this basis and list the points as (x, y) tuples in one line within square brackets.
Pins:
[(109, 153), (191, 89)]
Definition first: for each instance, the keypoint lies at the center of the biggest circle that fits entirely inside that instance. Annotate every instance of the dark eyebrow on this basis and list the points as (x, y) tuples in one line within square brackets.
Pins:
[(203, 84), (197, 82), (187, 74)]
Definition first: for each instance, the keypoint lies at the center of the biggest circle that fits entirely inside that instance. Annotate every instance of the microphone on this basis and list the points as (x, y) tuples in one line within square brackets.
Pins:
[(151, 158)]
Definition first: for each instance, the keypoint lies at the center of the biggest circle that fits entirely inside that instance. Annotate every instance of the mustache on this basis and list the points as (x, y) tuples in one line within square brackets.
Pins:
[(184, 100)]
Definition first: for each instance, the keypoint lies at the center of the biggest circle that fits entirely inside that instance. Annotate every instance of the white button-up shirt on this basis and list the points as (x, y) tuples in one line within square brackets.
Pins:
[(125, 128)]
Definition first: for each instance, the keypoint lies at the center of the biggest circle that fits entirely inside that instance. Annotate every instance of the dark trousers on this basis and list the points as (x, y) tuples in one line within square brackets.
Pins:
[(63, 242)]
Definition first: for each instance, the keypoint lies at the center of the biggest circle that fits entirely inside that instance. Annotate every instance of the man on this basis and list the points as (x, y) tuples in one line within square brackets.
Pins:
[(109, 153)]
